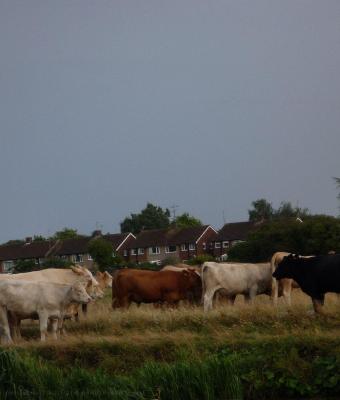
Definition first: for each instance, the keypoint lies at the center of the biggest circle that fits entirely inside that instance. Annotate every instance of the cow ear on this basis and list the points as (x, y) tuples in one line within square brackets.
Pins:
[(76, 270)]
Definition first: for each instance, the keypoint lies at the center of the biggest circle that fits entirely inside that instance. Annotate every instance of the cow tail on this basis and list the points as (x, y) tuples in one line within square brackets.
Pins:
[(204, 267), (275, 284)]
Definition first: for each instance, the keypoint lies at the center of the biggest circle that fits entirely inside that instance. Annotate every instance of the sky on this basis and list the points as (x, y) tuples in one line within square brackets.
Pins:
[(207, 105)]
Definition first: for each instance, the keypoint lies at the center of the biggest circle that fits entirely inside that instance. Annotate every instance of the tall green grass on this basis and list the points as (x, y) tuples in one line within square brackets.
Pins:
[(25, 377)]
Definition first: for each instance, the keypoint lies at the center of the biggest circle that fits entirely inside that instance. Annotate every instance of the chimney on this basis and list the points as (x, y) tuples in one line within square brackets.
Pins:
[(28, 240)]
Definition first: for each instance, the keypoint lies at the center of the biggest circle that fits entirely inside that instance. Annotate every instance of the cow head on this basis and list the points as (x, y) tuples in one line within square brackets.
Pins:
[(192, 284), (104, 279), (287, 268), (91, 284), (79, 294), (191, 278)]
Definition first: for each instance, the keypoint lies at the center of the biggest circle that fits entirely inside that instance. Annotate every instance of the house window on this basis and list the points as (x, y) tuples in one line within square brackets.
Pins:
[(64, 258), (225, 245), (78, 258), (192, 246), (8, 266), (141, 251), (170, 249), (89, 257), (204, 246), (217, 245), (184, 247), (125, 253), (36, 261), (154, 250), (133, 252)]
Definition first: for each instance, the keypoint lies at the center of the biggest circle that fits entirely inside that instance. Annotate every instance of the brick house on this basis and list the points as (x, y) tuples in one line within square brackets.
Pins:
[(29, 250), (74, 250), (158, 244), (229, 235)]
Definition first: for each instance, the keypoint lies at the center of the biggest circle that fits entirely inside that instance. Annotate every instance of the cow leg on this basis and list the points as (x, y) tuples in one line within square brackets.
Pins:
[(231, 299), (14, 325), (54, 327), (208, 299), (4, 326), (287, 291), (318, 303), (250, 296), (84, 309), (43, 321), (274, 291)]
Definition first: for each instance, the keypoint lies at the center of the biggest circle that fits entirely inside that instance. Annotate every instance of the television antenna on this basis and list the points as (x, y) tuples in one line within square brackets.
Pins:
[(173, 209)]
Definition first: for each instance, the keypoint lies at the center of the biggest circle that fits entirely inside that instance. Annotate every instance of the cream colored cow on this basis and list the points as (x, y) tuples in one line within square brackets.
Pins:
[(31, 299)]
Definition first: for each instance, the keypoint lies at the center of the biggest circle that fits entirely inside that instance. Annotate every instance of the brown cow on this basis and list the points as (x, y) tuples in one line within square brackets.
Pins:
[(133, 285)]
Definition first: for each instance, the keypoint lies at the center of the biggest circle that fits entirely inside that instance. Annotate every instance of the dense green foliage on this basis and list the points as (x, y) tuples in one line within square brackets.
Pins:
[(151, 217), (186, 221), (316, 235), (55, 262), (102, 253), (25, 266), (262, 210), (66, 233), (30, 265)]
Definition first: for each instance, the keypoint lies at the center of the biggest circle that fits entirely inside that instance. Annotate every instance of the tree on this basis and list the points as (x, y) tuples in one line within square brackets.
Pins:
[(286, 210), (337, 182), (318, 234), (66, 233), (185, 221), (102, 253), (38, 238), (262, 210), (151, 217)]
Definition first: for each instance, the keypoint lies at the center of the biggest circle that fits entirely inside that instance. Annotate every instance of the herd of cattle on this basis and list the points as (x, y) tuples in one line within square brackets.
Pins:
[(53, 295)]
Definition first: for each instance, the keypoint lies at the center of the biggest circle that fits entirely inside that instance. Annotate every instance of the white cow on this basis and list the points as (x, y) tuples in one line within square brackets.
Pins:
[(29, 299), (60, 275), (233, 279), (56, 275)]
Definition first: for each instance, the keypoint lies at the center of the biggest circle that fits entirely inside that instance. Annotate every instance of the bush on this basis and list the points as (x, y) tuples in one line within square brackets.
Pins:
[(25, 266), (200, 259), (55, 262)]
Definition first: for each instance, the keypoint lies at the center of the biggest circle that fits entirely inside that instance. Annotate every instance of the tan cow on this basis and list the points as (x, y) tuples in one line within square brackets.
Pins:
[(282, 287), (31, 299), (104, 280)]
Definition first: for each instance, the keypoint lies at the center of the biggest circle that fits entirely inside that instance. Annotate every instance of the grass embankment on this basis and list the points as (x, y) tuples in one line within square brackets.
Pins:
[(232, 352)]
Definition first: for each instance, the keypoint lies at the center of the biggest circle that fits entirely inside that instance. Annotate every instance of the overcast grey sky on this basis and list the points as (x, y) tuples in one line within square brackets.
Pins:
[(106, 105)]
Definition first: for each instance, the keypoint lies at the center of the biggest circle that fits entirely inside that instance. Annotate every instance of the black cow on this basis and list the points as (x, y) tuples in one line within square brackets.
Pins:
[(315, 275)]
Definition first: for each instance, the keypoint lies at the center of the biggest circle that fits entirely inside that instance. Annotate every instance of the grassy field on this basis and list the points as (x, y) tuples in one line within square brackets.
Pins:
[(150, 353)]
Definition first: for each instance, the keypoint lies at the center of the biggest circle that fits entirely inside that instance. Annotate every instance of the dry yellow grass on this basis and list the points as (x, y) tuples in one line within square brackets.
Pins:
[(239, 322)]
